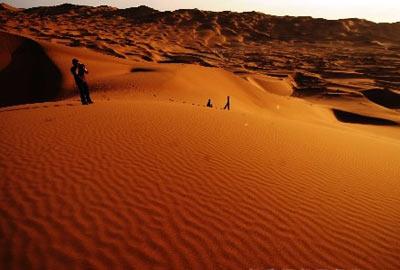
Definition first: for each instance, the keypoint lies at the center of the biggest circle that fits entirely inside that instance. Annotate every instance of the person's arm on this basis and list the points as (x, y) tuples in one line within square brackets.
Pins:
[(86, 70)]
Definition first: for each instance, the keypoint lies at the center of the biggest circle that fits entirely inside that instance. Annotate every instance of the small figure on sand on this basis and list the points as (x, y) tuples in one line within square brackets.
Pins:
[(228, 104), (79, 70), (209, 103)]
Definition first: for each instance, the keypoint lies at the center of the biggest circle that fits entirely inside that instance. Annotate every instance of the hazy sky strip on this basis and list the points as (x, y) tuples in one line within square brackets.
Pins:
[(375, 10)]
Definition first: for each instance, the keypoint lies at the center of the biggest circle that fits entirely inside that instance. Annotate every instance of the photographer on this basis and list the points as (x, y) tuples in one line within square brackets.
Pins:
[(79, 70)]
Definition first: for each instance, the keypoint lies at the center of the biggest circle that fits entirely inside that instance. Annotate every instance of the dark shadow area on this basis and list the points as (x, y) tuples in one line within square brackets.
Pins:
[(383, 97), (185, 59), (31, 76), (241, 72), (354, 118), (308, 84), (337, 74), (308, 91), (142, 69)]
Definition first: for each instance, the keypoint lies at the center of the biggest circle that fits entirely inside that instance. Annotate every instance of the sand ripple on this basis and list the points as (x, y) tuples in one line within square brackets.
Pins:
[(139, 186)]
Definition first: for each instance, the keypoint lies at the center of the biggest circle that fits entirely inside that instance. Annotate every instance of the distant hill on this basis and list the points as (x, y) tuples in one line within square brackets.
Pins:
[(6, 7), (249, 42), (253, 26)]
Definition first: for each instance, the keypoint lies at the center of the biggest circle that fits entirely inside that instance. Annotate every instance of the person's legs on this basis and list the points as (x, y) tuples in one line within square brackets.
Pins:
[(82, 93), (228, 104), (87, 94)]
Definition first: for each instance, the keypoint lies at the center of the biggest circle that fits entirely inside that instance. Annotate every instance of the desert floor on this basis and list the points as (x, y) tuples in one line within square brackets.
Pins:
[(148, 177)]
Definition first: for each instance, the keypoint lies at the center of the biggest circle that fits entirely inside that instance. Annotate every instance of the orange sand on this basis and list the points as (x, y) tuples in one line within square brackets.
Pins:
[(148, 178)]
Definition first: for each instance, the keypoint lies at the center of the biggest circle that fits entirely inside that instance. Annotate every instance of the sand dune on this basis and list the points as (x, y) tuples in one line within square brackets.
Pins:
[(240, 42), (161, 184), (27, 74), (148, 177), (282, 87)]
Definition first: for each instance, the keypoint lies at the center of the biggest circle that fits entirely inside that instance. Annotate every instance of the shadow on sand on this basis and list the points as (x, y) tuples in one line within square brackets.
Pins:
[(31, 76), (142, 69), (383, 97), (354, 118)]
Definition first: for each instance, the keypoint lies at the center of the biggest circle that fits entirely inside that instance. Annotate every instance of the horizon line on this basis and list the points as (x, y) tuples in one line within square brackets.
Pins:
[(206, 10)]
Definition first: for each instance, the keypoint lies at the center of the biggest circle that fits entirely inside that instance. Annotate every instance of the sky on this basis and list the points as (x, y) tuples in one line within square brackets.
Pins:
[(374, 10)]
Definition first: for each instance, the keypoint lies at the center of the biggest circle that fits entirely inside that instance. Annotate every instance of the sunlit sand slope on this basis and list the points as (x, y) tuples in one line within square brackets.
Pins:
[(166, 185)]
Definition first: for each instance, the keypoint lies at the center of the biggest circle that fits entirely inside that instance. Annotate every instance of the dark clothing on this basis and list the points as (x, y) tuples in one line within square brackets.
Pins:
[(84, 92), (79, 71)]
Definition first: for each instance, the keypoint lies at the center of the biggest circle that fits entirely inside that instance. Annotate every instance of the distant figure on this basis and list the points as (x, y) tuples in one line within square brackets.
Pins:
[(209, 103), (79, 70), (228, 104)]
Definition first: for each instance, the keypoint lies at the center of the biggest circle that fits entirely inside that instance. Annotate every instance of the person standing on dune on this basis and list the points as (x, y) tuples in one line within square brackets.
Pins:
[(228, 103), (79, 70), (209, 103)]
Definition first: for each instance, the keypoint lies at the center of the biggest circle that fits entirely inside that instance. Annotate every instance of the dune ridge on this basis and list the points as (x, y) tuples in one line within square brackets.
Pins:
[(322, 59), (249, 42)]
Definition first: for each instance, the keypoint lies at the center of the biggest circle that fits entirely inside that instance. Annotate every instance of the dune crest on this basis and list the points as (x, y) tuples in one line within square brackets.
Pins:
[(349, 55)]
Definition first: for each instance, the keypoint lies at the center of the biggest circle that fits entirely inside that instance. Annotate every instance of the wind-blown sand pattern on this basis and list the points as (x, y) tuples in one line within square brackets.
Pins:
[(149, 178), (136, 184)]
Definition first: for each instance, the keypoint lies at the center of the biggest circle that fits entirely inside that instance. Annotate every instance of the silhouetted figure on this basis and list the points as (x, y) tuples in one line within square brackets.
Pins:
[(209, 103), (79, 70), (228, 104)]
